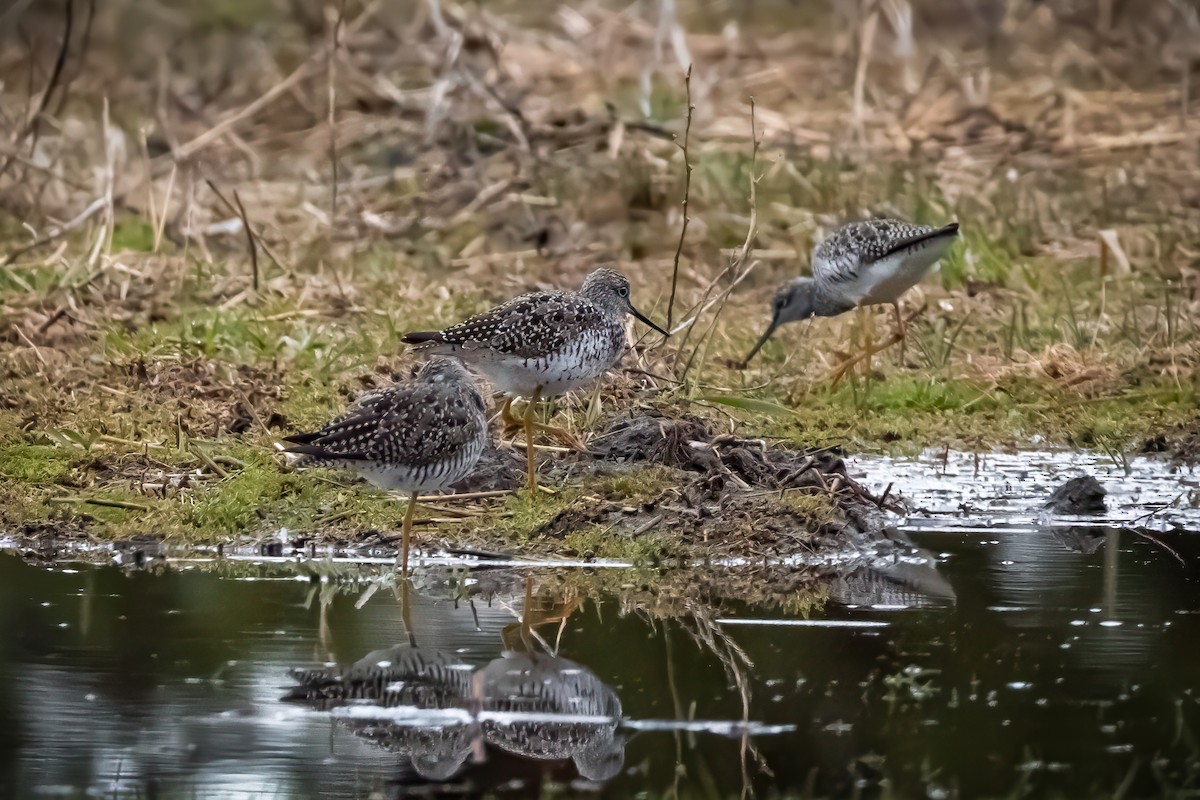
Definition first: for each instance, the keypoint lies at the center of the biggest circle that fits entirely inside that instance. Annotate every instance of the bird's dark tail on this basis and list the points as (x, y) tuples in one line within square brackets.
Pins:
[(315, 453), (944, 232), (308, 450), (423, 337), (302, 438)]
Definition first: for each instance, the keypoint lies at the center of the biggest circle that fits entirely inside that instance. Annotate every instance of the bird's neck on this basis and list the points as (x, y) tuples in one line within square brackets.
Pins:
[(828, 304), (610, 306)]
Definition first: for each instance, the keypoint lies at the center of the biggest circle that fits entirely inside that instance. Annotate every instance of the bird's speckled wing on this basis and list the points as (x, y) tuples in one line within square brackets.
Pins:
[(843, 256), (528, 326), (404, 424)]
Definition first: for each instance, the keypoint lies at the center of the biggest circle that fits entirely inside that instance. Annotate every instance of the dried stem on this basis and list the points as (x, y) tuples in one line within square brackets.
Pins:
[(254, 237), (334, 46), (249, 238), (687, 188), (58, 232), (738, 267)]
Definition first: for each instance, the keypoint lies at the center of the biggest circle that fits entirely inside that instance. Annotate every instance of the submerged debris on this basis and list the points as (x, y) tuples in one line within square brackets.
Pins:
[(1079, 540), (1082, 495)]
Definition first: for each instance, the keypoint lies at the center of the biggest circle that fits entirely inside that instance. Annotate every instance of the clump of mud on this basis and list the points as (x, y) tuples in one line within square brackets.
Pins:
[(1082, 495), (499, 469), (717, 495), (687, 443)]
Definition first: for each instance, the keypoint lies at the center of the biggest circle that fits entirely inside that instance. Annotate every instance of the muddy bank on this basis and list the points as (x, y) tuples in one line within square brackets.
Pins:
[(654, 487), (671, 482)]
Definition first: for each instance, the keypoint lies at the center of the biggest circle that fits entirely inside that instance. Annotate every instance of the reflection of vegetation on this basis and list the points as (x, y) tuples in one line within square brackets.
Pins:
[(913, 683)]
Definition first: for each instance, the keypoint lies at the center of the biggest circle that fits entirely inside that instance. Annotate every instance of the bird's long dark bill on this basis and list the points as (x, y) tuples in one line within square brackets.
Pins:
[(646, 320), (770, 330)]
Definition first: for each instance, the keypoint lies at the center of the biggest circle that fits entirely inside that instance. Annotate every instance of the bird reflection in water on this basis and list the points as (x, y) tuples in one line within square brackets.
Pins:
[(438, 712), (545, 707)]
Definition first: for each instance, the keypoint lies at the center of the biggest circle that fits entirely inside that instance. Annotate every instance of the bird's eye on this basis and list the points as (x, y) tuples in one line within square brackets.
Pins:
[(623, 291)]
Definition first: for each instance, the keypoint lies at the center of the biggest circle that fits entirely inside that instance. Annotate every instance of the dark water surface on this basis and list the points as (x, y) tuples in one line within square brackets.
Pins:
[(1021, 659)]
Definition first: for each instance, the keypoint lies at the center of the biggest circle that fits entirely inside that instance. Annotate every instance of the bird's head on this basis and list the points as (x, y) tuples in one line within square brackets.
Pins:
[(792, 302), (442, 369), (610, 290)]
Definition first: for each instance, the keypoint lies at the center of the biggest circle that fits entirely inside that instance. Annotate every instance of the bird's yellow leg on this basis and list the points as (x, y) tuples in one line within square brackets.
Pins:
[(406, 614), (531, 460), (901, 329), (871, 350), (512, 423), (406, 535), (527, 615)]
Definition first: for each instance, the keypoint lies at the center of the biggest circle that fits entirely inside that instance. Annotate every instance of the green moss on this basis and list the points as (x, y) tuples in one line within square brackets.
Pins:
[(239, 503), (133, 234), (521, 514), (904, 414), (641, 482), (603, 541), (37, 464), (818, 508), (910, 393)]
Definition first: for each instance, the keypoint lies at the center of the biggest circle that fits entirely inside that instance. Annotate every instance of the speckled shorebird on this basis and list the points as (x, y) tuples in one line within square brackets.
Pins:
[(418, 436), (861, 264), (542, 345)]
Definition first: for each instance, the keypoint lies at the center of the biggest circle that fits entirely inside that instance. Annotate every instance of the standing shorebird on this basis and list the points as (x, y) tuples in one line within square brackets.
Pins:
[(861, 264), (542, 345), (418, 436)]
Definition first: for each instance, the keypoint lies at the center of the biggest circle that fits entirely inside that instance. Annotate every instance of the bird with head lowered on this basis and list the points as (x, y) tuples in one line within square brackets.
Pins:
[(861, 264)]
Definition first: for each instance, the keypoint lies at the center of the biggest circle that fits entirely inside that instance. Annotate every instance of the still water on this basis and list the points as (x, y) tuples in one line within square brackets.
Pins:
[(1007, 655)]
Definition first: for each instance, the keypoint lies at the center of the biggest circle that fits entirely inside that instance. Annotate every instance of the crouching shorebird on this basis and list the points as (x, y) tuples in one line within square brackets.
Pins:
[(419, 436), (542, 345), (861, 264)]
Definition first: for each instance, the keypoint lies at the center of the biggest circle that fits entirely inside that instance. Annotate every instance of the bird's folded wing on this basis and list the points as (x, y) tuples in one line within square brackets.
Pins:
[(404, 424), (528, 326)]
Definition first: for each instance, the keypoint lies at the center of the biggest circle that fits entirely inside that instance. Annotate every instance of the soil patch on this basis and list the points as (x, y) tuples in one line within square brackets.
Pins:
[(713, 496)]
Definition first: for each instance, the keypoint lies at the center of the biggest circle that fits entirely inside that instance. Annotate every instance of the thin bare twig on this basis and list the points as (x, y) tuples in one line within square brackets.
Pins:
[(32, 346), (249, 237), (334, 46), (687, 188), (80, 59), (237, 210), (190, 148), (60, 61), (736, 265)]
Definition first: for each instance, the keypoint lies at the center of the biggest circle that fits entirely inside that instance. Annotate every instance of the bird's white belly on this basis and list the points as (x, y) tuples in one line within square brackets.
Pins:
[(434, 477), (557, 373), (886, 280)]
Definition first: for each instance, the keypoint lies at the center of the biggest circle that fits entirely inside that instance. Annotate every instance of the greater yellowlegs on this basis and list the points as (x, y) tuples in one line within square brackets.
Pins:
[(419, 436), (861, 264), (542, 344)]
